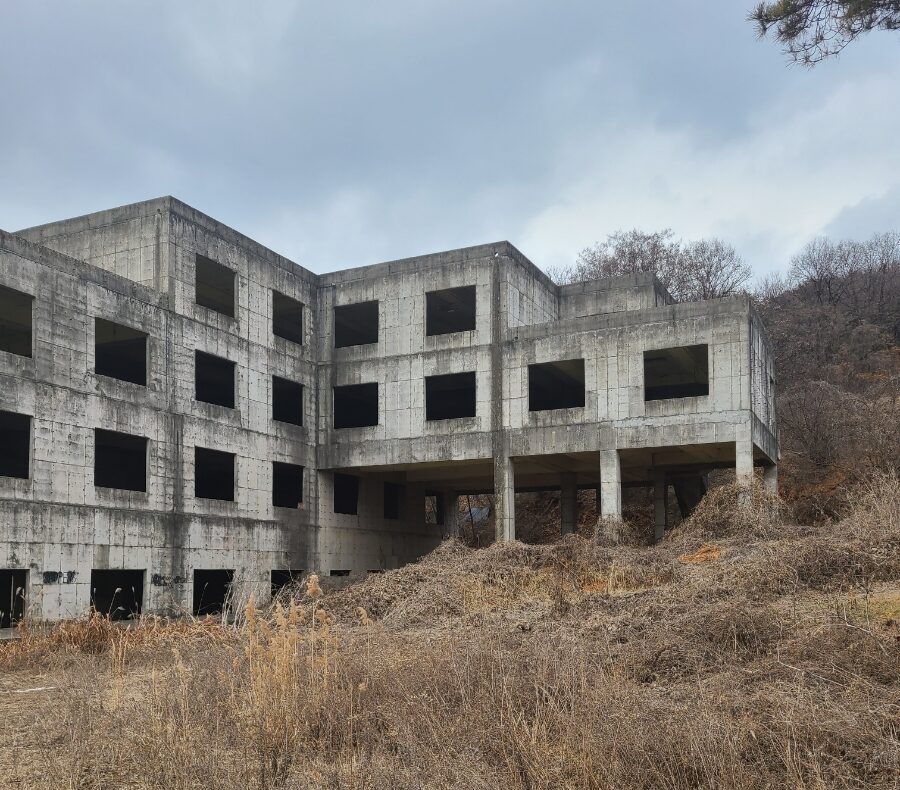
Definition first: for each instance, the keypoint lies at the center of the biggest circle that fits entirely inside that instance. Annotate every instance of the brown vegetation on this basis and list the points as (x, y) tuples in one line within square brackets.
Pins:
[(772, 663), (835, 330)]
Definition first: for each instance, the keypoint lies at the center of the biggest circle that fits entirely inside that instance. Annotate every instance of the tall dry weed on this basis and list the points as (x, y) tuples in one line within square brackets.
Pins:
[(571, 665)]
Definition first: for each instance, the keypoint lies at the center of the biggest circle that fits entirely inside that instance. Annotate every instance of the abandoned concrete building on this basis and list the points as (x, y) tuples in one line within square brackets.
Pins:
[(182, 409)]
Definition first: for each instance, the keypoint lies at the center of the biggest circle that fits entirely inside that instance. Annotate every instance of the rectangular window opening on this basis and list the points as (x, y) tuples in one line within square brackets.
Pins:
[(556, 385), (339, 573), (287, 401), (393, 498), (434, 508), (450, 395), (450, 310), (120, 352), (214, 286), (346, 494), (120, 461), (681, 372), (15, 444), (214, 379), (213, 474), (13, 595), (356, 405), (118, 593), (287, 485), (212, 591), (287, 318), (355, 324), (279, 579), (15, 321)]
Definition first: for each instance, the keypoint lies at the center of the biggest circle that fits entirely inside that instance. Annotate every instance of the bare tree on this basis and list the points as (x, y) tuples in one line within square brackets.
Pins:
[(812, 30), (860, 277), (704, 269), (708, 269)]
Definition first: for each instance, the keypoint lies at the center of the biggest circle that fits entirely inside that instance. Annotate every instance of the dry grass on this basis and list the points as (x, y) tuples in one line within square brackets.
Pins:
[(771, 663)]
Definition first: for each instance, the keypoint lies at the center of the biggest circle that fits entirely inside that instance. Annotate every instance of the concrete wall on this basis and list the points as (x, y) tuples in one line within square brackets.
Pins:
[(59, 525)]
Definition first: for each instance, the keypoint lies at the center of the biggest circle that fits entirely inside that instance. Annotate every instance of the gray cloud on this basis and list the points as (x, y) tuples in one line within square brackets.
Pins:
[(349, 132)]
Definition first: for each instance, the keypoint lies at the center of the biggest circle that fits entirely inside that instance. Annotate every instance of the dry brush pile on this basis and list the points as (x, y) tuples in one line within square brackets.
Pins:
[(742, 652)]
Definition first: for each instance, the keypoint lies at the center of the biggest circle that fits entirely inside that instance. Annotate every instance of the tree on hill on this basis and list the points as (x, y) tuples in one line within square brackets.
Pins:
[(812, 30), (691, 271), (834, 323)]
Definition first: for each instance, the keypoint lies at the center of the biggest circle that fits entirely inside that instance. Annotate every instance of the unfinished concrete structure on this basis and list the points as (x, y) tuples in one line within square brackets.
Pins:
[(181, 408)]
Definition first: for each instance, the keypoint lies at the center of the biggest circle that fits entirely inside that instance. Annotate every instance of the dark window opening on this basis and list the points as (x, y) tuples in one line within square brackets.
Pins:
[(556, 385), (214, 379), (213, 474), (287, 484), (450, 310), (355, 324), (287, 401), (356, 406), (15, 444), (13, 591), (120, 461), (681, 372), (450, 395), (346, 494), (15, 321), (279, 579), (393, 496), (120, 352), (287, 318), (117, 594), (214, 286), (434, 508), (212, 591), (339, 573)]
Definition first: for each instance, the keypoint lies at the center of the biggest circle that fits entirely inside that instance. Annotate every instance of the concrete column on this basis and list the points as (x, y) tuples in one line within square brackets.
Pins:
[(568, 504), (610, 492), (770, 478), (505, 498), (451, 513), (743, 461), (660, 507)]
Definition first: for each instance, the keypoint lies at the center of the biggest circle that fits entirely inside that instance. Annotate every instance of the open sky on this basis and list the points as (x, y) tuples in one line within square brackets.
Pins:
[(343, 133)]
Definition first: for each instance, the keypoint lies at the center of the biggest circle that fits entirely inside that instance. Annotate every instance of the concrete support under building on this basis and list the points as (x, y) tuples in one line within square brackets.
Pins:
[(505, 498), (451, 513), (770, 478), (610, 493), (743, 461), (568, 504), (660, 507)]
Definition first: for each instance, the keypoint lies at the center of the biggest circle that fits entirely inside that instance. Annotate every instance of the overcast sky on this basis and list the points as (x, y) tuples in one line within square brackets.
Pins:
[(344, 133)]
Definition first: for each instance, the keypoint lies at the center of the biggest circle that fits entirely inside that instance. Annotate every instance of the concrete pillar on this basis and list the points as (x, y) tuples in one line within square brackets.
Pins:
[(660, 507), (610, 493), (743, 461), (451, 512), (770, 478), (505, 498), (568, 504)]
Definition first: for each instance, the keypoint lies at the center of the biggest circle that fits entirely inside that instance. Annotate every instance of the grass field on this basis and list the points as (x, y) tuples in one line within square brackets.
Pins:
[(744, 651)]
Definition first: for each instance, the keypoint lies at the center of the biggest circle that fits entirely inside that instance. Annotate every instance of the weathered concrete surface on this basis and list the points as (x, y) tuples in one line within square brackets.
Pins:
[(135, 265)]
